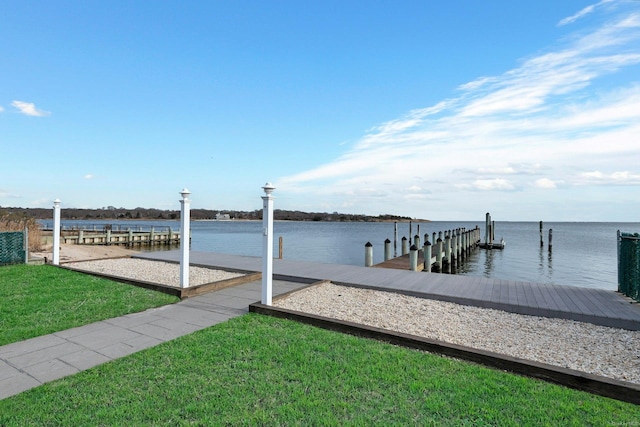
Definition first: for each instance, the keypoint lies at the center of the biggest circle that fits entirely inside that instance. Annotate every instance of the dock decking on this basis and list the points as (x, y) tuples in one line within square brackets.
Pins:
[(597, 306)]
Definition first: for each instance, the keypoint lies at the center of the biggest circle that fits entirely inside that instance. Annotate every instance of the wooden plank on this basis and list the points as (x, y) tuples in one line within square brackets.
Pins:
[(568, 299)]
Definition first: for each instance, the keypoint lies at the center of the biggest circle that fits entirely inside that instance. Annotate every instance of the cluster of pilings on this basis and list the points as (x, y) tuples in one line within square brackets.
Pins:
[(445, 255)]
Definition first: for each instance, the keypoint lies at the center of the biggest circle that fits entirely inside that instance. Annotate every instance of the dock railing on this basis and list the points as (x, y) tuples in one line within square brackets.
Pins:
[(629, 264)]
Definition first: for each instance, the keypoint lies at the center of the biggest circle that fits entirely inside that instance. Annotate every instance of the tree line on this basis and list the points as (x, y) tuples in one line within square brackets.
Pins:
[(111, 212)]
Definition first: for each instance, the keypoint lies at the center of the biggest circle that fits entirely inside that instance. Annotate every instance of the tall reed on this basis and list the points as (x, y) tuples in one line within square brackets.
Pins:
[(18, 222)]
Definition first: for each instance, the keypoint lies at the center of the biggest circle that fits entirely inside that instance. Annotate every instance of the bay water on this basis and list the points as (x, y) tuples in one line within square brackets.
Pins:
[(583, 254)]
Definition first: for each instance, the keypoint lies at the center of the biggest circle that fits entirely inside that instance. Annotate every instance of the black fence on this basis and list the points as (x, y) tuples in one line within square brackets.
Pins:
[(13, 247), (629, 264)]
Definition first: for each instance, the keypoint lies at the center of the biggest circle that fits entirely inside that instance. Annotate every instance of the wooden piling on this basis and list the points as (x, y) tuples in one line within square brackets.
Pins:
[(426, 249), (413, 258), (368, 254), (541, 241), (395, 239), (438, 266), (387, 250), (550, 239)]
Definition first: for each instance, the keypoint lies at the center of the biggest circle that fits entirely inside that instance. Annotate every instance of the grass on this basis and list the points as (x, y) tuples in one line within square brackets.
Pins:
[(39, 300), (257, 370)]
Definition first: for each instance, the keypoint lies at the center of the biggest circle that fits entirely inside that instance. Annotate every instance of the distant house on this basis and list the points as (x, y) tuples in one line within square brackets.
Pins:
[(222, 217)]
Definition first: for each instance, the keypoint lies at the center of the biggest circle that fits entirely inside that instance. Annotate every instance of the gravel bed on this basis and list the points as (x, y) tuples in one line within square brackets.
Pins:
[(609, 352), (164, 273)]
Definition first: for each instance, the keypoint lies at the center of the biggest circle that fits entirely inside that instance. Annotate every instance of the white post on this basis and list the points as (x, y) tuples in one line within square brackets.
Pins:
[(185, 224), (368, 254), (387, 249), (413, 258), (427, 255), (56, 232), (267, 244)]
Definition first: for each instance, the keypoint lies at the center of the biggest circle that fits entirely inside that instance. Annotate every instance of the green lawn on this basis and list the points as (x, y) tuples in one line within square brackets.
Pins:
[(39, 300), (258, 370)]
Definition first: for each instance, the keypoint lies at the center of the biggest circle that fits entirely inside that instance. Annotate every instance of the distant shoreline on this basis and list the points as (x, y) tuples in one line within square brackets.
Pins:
[(143, 214)]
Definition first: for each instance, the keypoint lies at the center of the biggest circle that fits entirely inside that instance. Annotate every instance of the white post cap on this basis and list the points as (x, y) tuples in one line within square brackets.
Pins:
[(268, 188)]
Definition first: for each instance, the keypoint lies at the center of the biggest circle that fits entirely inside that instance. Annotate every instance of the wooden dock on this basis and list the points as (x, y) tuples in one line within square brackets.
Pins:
[(597, 306), (445, 252), (109, 237)]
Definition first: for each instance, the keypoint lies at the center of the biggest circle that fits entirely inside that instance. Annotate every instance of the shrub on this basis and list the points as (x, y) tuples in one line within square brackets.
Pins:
[(18, 222)]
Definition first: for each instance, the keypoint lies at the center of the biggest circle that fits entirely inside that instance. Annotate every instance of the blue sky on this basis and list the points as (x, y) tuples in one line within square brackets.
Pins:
[(435, 110)]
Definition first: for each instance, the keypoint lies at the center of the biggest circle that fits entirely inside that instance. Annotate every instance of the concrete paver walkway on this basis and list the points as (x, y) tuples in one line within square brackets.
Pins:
[(30, 363)]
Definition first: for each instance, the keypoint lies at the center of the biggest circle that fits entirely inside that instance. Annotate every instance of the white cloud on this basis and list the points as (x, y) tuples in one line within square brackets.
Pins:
[(499, 184), (89, 176), (584, 12), (1, 108), (545, 183), (548, 117), (613, 178), (29, 109), (7, 194)]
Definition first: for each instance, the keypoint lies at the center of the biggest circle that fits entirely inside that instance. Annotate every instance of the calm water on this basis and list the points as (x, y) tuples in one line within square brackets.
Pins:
[(584, 254)]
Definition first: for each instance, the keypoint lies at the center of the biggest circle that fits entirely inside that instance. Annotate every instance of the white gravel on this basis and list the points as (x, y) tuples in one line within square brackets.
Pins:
[(609, 352), (164, 273)]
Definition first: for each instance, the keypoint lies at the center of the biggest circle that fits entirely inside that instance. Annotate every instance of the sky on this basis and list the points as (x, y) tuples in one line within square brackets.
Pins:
[(432, 110)]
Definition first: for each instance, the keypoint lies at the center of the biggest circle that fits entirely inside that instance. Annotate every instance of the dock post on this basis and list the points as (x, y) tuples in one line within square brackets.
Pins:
[(487, 222), (405, 246), (416, 240), (108, 237), (550, 239), (454, 248), (130, 237), (413, 258), (267, 244), (56, 231), (368, 254), (80, 237), (438, 255), (185, 221), (433, 239), (280, 247), (493, 231), (447, 251), (541, 241), (387, 250), (395, 239), (427, 255)]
